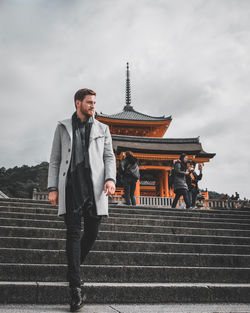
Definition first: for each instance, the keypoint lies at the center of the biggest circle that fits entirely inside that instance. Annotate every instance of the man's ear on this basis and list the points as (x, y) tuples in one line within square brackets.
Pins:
[(77, 103)]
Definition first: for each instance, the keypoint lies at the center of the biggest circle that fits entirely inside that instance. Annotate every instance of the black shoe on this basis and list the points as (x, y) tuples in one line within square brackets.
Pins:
[(77, 300)]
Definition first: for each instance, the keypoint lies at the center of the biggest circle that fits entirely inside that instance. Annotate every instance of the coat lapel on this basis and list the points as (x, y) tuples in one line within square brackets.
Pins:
[(68, 125), (95, 131)]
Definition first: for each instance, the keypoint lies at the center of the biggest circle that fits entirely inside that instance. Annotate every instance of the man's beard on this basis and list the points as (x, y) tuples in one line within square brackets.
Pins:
[(85, 112)]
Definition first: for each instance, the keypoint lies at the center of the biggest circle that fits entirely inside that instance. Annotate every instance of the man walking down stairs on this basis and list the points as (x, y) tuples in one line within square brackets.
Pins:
[(82, 169)]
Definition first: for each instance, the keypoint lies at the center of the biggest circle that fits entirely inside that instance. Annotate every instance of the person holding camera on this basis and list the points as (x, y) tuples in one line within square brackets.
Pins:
[(179, 181), (129, 173), (192, 180)]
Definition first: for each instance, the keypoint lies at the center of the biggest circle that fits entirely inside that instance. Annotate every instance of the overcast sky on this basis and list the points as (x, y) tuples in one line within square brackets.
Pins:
[(189, 59)]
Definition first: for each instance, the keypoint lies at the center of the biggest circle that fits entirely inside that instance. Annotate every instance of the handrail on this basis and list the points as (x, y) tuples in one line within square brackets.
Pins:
[(160, 201), (167, 202)]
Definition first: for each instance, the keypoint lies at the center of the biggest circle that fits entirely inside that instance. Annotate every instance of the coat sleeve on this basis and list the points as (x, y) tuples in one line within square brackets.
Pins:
[(55, 161), (197, 177), (177, 169), (109, 158)]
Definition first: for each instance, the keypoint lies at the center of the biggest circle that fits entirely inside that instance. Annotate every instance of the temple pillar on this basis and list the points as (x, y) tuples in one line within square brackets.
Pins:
[(166, 189), (137, 191), (158, 185), (161, 185)]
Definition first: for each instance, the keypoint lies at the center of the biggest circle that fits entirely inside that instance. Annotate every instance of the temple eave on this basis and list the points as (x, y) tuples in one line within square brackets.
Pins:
[(140, 139), (130, 116), (160, 146), (203, 154)]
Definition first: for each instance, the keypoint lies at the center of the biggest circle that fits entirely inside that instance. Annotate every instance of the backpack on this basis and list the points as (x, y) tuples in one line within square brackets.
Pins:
[(133, 171)]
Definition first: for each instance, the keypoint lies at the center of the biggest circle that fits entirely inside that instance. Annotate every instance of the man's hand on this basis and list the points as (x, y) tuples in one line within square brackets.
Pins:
[(109, 188), (187, 173), (53, 197)]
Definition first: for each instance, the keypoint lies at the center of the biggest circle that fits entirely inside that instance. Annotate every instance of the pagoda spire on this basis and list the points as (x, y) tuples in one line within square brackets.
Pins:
[(128, 106)]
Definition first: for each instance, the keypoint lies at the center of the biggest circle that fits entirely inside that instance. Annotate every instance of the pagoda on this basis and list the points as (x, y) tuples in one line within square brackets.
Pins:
[(143, 135)]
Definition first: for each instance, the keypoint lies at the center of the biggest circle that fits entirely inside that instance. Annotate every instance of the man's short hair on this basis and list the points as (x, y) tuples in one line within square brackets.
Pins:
[(82, 93)]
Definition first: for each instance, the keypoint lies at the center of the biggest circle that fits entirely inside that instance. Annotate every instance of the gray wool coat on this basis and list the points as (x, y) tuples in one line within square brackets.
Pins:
[(101, 158)]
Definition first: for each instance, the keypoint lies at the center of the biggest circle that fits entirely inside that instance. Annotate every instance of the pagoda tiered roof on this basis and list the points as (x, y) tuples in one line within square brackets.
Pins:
[(132, 115)]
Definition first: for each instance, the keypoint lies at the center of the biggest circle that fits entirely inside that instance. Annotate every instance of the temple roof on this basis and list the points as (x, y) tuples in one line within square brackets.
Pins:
[(159, 145), (195, 140), (133, 115)]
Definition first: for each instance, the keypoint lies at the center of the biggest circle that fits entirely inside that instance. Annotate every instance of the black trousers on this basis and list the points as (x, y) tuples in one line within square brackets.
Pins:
[(181, 192), (194, 193), (129, 185), (190, 197), (78, 244)]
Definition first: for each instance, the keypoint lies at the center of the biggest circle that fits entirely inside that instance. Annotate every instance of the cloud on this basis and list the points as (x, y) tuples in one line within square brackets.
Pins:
[(188, 59)]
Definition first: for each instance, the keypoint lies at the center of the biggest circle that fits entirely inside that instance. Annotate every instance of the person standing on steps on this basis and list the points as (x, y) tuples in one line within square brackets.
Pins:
[(192, 180), (179, 181), (129, 172), (188, 181), (82, 173)]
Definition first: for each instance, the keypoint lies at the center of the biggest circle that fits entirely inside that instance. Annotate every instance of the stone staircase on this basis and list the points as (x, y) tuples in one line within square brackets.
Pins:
[(142, 255)]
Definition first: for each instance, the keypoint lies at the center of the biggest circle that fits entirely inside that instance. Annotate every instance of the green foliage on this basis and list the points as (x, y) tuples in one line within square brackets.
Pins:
[(213, 194), (18, 182)]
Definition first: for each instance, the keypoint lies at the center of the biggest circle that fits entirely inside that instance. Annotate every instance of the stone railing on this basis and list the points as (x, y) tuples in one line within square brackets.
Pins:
[(227, 204), (167, 202), (160, 201), (40, 195)]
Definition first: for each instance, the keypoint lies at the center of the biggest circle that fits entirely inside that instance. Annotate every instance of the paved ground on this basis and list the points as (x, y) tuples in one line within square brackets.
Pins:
[(116, 308)]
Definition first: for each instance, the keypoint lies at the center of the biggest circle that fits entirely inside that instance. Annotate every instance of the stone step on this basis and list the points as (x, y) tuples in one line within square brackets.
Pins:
[(134, 221), (44, 204), (181, 209), (137, 210), (58, 293), (180, 213), (27, 256), (6, 231), (29, 210), (245, 223), (124, 273), (128, 228), (161, 214), (32, 216), (24, 200), (132, 246), (182, 218)]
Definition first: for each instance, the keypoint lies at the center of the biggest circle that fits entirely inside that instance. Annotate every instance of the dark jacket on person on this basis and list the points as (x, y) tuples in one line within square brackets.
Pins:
[(129, 168), (179, 176), (192, 180)]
